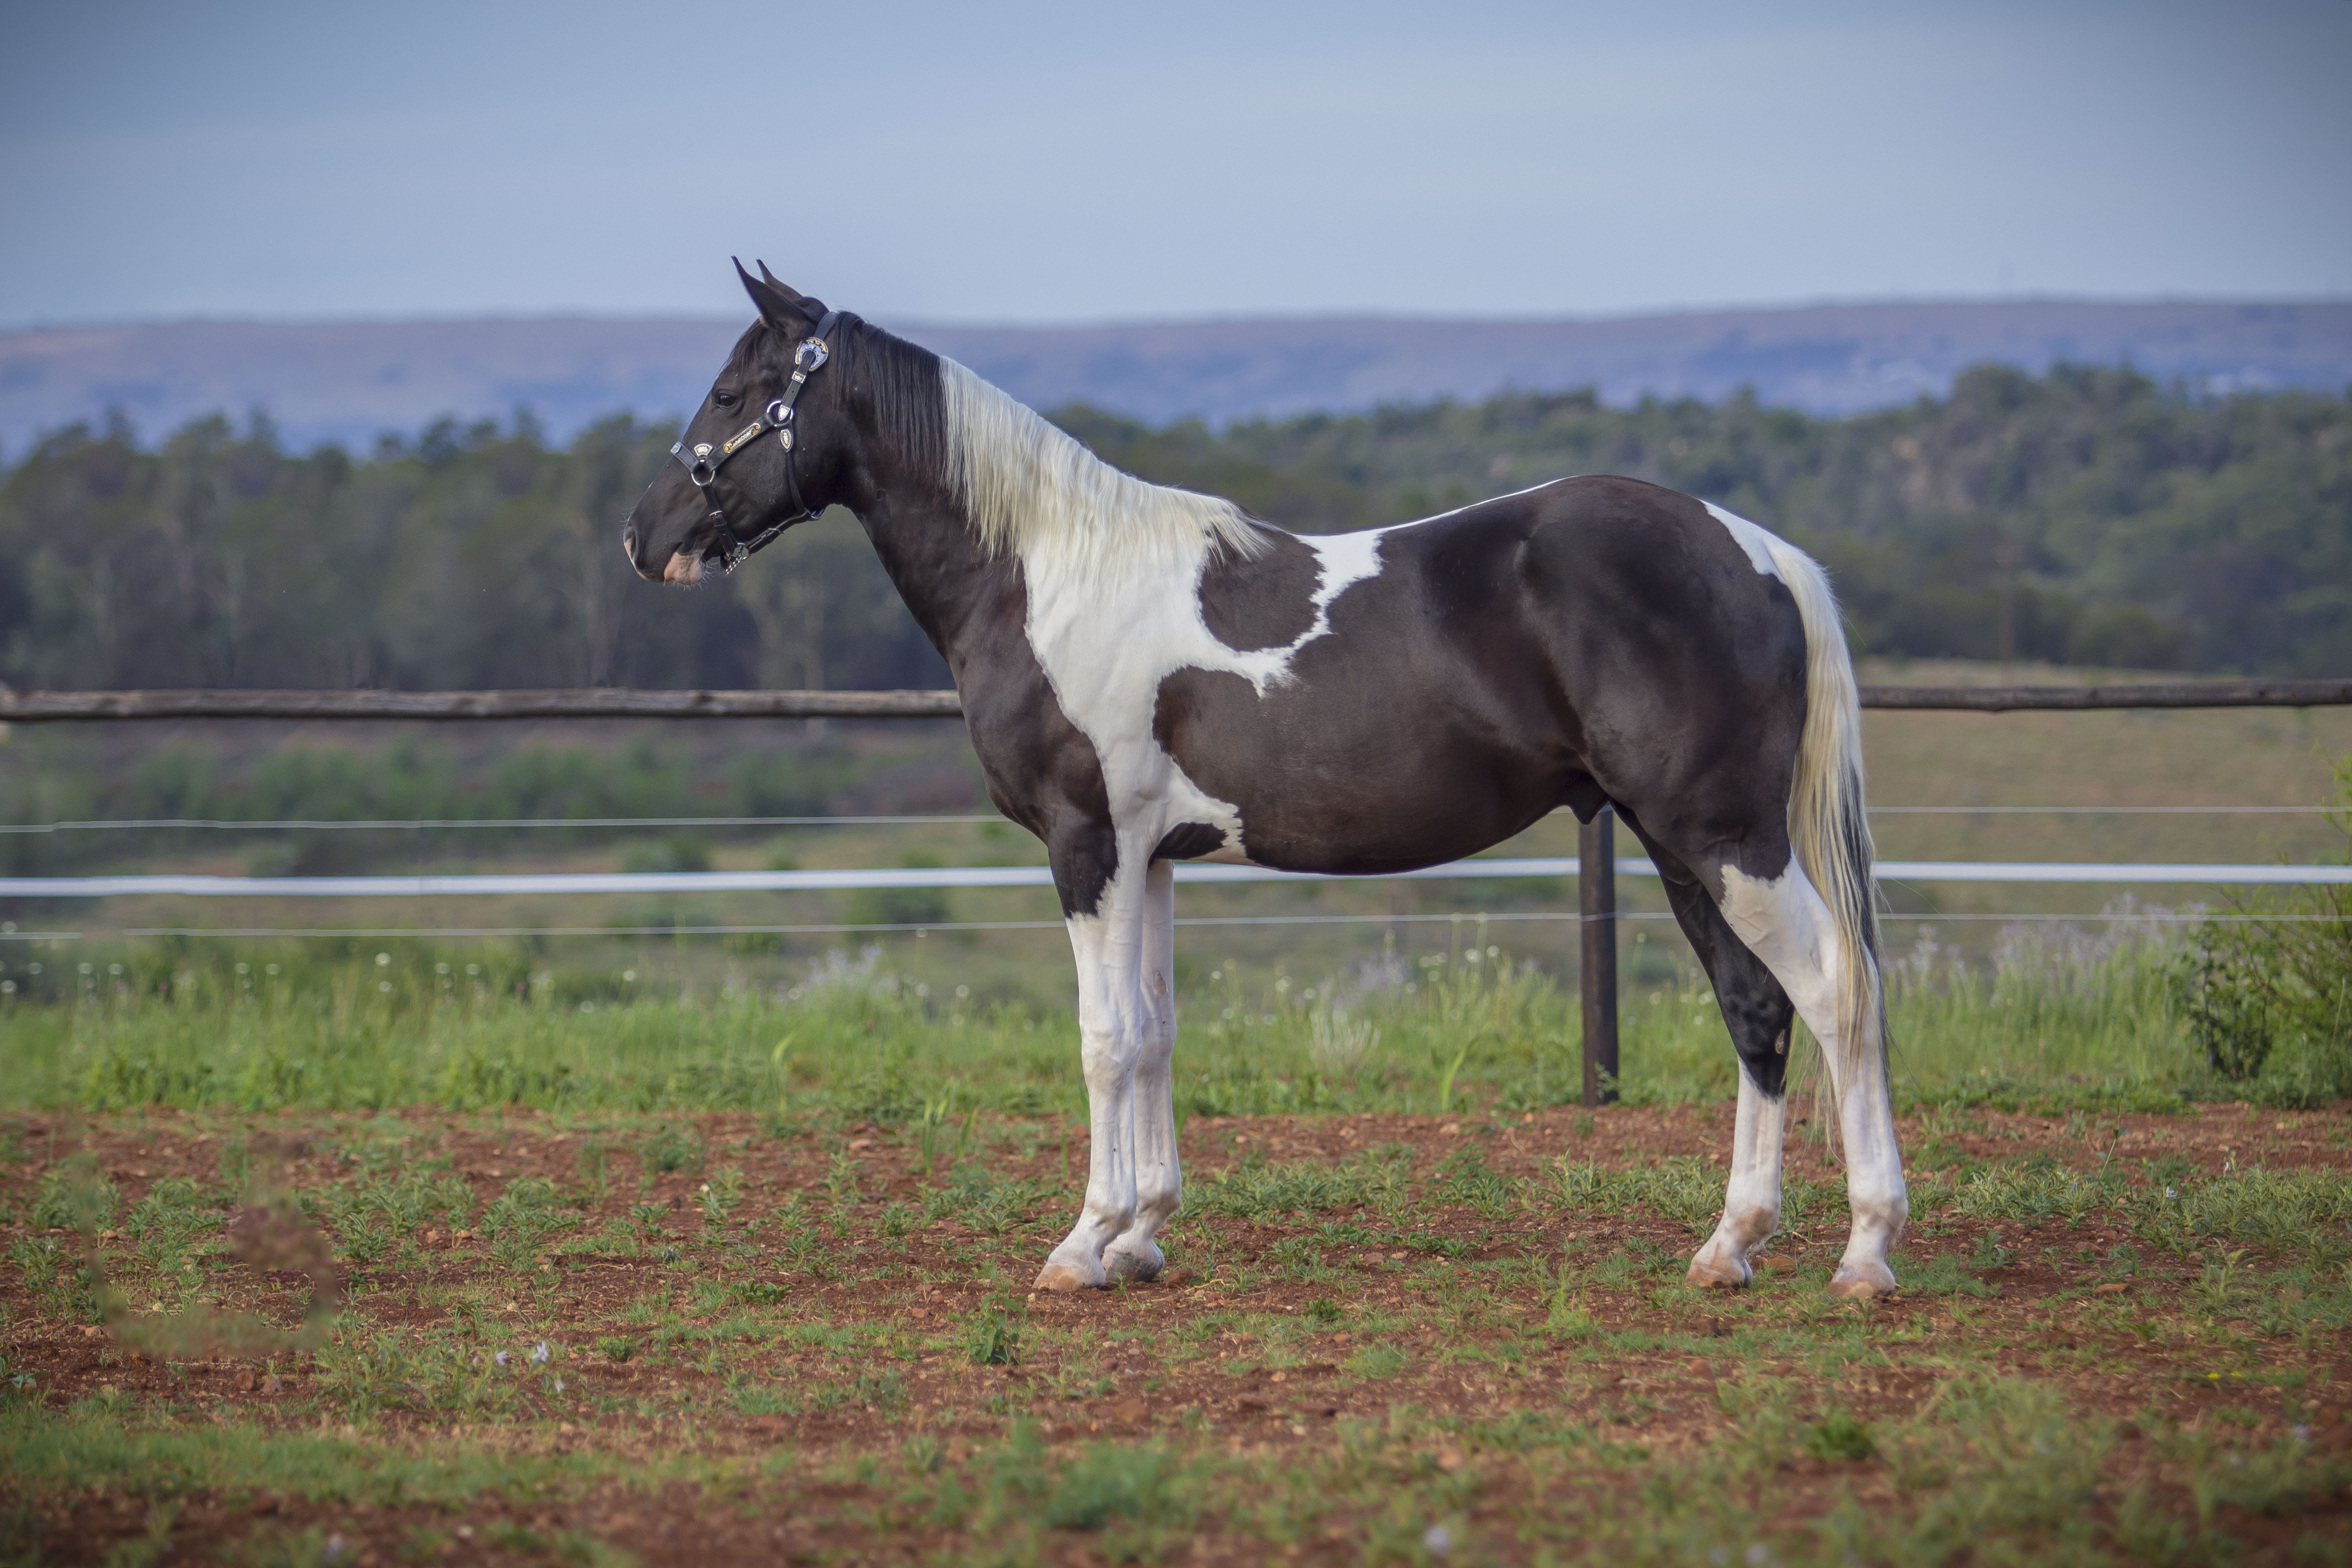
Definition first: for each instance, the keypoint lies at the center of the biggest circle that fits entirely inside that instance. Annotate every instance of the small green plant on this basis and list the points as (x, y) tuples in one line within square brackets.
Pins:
[(2226, 991), (1446, 1076), (993, 1339), (595, 1160), (1110, 1483), (1840, 1436), (931, 1125), (1989, 1253), (722, 1194), (75, 1197), (523, 1217), (671, 1147), (1565, 1317), (2221, 1280)]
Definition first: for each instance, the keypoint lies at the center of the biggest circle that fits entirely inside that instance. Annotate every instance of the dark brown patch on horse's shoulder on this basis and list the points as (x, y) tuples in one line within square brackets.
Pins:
[(1266, 601)]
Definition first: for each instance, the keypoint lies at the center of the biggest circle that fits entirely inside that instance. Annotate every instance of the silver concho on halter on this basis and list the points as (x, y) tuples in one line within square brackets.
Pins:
[(808, 358)]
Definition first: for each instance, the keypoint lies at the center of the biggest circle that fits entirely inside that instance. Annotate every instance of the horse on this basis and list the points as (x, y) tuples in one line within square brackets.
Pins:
[(1151, 675)]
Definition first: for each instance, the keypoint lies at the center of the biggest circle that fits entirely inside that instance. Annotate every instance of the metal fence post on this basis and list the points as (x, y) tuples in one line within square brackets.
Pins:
[(1596, 889)]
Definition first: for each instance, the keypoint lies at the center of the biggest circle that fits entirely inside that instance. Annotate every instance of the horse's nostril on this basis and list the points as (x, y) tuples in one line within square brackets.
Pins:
[(629, 543)]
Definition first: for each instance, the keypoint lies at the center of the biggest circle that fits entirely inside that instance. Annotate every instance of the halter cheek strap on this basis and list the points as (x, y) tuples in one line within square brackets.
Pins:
[(702, 461)]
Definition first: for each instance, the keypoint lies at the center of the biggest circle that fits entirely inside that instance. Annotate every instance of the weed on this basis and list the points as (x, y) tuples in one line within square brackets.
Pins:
[(1989, 1253), (1111, 1483), (1842, 1436), (2288, 1477), (722, 1194), (673, 1146), (74, 1196), (1465, 1179), (993, 1339), (523, 1217)]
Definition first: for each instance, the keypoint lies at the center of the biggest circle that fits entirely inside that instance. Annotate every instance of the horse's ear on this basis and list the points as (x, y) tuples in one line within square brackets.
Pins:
[(778, 306)]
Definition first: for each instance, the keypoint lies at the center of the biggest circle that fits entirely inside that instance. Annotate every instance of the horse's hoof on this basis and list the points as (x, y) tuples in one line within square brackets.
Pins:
[(1134, 1265), (1064, 1277), (1713, 1273), (1873, 1283)]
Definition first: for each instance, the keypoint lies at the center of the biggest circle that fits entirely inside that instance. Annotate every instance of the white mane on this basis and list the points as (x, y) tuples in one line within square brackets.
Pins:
[(1030, 489)]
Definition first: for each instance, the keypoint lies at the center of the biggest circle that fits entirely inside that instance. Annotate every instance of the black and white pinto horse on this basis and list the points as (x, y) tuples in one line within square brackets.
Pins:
[(1151, 675)]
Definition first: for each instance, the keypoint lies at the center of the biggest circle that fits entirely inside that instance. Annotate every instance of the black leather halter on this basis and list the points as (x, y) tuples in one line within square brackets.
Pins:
[(702, 467)]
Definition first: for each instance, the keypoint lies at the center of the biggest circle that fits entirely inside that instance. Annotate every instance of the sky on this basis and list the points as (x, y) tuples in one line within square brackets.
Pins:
[(1048, 163)]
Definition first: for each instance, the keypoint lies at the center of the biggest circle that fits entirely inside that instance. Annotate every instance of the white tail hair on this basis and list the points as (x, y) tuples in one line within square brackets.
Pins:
[(1828, 824), (1028, 487)]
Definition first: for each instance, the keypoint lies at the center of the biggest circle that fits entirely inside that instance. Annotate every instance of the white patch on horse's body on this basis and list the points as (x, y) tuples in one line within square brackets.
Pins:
[(1757, 542), (1113, 567)]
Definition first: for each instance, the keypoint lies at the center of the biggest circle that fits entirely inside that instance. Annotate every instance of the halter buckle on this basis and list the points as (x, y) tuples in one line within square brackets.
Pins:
[(811, 355)]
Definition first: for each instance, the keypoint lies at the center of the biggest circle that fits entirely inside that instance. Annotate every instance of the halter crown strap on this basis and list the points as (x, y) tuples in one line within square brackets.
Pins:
[(702, 467)]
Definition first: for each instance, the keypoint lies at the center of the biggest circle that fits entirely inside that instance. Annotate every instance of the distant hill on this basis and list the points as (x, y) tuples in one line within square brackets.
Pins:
[(347, 381)]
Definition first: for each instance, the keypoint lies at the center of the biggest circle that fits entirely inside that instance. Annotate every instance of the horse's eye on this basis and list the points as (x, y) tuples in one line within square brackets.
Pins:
[(724, 398)]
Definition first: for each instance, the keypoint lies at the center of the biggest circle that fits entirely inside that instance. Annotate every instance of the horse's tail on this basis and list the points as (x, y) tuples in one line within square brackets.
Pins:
[(1828, 824)]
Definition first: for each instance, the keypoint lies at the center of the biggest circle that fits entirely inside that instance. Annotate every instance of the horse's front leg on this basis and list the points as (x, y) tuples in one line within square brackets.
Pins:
[(1158, 1176), (1110, 946)]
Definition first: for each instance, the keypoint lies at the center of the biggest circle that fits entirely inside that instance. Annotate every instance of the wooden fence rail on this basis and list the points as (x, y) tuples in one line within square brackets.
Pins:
[(613, 702)]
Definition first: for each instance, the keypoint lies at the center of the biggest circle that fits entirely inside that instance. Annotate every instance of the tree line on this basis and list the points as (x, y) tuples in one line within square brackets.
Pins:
[(2087, 516)]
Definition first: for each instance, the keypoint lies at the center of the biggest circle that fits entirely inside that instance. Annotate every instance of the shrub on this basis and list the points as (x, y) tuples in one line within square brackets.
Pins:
[(2269, 996)]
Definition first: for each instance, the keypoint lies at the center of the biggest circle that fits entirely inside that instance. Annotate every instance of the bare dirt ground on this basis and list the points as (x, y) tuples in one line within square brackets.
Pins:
[(1385, 1337)]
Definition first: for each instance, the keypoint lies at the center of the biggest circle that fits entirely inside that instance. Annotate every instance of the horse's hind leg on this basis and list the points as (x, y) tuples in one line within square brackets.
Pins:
[(1784, 922), (1758, 1011), (1159, 1177)]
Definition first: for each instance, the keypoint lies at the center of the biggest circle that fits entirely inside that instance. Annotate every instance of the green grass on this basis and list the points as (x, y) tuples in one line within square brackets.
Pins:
[(1465, 1031)]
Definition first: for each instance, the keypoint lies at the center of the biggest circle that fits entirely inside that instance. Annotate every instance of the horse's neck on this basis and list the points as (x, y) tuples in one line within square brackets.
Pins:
[(970, 604)]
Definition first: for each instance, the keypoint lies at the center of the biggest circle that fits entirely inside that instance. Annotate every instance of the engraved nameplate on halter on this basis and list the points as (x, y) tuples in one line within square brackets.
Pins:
[(740, 437)]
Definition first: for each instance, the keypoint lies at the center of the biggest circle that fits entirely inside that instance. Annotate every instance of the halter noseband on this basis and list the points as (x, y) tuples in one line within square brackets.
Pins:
[(702, 467)]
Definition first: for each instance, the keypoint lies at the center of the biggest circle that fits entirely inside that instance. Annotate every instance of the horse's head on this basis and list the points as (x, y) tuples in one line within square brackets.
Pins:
[(744, 466)]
